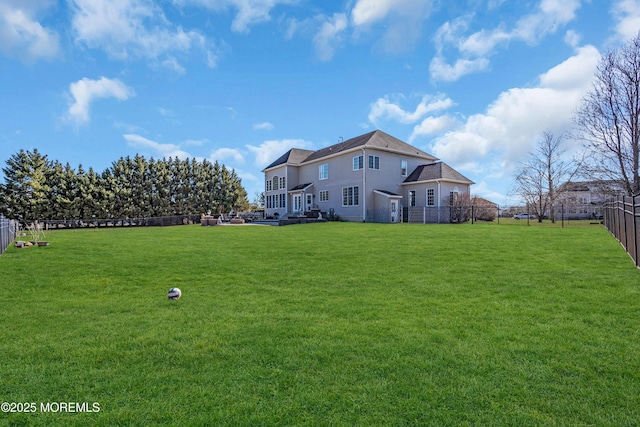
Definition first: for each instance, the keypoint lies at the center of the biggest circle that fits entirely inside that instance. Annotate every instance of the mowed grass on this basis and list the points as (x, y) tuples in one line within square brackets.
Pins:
[(324, 324)]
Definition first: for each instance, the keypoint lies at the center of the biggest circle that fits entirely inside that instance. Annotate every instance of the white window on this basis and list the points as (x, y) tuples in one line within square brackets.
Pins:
[(275, 182), (358, 162), (403, 168), (350, 196), (283, 200), (412, 198), (324, 196), (431, 198), (324, 171), (268, 185), (282, 182), (374, 162)]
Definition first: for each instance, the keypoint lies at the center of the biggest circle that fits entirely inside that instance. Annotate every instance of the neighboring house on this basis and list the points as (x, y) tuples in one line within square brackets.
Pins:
[(485, 210), (584, 199), (367, 178)]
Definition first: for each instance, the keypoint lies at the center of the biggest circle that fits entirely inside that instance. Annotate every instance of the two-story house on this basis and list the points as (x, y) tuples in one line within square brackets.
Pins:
[(367, 178), (585, 199)]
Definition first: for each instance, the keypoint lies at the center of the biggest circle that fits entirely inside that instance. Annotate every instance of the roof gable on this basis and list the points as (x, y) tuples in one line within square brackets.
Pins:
[(293, 156), (436, 171)]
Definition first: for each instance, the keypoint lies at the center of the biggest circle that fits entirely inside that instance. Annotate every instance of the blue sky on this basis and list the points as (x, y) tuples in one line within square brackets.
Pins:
[(475, 83)]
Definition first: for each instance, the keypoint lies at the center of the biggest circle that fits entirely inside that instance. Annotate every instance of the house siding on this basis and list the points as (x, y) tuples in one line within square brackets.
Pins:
[(388, 179)]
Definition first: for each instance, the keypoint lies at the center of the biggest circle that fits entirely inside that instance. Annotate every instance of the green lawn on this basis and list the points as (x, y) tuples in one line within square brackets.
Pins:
[(324, 324)]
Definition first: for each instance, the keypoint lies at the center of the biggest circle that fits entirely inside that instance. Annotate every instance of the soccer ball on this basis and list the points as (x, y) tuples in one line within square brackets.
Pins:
[(174, 293)]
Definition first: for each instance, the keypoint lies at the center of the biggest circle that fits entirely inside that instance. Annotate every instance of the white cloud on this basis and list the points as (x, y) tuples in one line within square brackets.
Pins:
[(513, 122), (432, 125), (132, 28), (328, 38), (85, 91), (251, 12), (441, 71), (222, 154), (160, 150), (572, 38), (383, 108), (248, 12), (368, 12), (551, 15), (402, 19), (326, 32), (270, 150), (22, 36), (483, 42), (474, 49), (627, 15), (263, 126), (172, 64)]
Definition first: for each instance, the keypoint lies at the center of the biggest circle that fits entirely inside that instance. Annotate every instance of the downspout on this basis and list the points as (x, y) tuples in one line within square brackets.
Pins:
[(439, 201), (364, 187)]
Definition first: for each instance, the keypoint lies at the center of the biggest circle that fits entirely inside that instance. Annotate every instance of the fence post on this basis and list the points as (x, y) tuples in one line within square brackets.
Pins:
[(624, 217), (2, 243), (635, 228)]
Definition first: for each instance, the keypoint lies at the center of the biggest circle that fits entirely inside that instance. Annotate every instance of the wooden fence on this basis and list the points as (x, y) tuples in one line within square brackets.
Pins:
[(622, 218), (8, 231)]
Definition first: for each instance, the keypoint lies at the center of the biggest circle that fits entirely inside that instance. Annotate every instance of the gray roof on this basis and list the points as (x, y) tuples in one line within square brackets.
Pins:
[(375, 139), (302, 186), (294, 156), (387, 193), (436, 171)]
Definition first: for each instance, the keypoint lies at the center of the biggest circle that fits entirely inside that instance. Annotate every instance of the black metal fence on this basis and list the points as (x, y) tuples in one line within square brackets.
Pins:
[(123, 222), (8, 232), (561, 214), (424, 214), (622, 219)]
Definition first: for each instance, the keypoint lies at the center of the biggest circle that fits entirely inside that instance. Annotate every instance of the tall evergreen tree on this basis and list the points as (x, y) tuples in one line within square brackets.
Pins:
[(131, 188), (26, 189)]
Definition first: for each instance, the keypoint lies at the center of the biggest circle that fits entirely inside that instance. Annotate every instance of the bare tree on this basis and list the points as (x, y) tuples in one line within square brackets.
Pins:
[(540, 177), (609, 118), (459, 207)]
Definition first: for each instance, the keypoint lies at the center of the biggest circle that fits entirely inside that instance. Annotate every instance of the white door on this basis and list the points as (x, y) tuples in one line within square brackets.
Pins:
[(309, 202), (394, 211), (296, 203)]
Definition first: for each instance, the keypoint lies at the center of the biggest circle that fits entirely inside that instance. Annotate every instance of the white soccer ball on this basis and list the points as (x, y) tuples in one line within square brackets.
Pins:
[(174, 293)]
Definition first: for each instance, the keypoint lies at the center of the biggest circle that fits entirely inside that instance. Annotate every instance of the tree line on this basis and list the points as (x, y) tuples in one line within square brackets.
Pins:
[(37, 188)]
